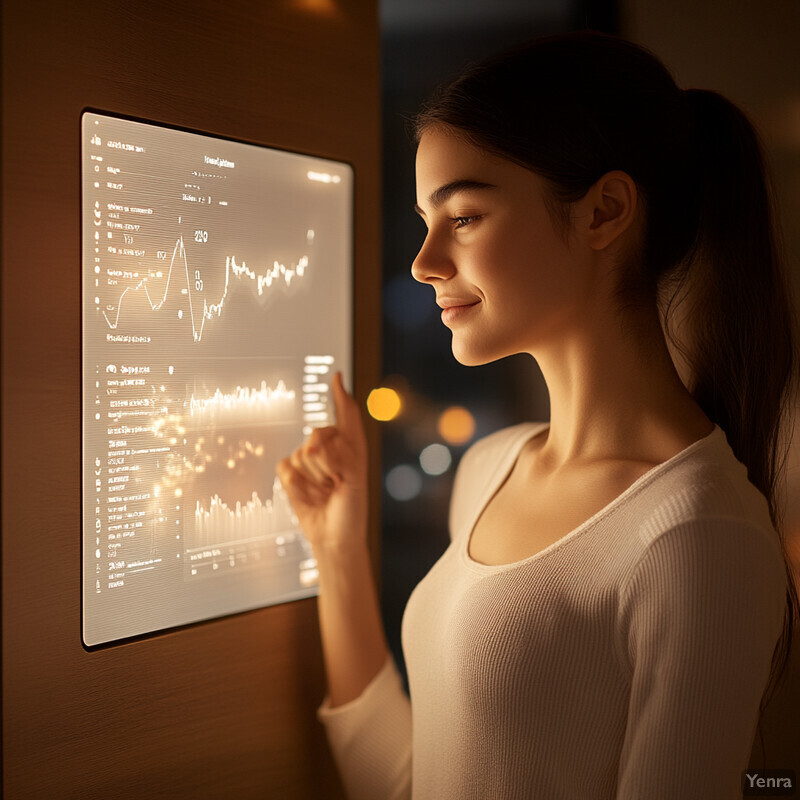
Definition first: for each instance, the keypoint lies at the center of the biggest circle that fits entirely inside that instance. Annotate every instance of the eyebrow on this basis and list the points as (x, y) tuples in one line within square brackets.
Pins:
[(444, 193)]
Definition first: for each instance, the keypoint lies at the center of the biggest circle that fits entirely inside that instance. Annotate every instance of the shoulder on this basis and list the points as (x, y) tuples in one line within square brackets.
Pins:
[(705, 542), (499, 444), (492, 452), (698, 522), (709, 488), (482, 465)]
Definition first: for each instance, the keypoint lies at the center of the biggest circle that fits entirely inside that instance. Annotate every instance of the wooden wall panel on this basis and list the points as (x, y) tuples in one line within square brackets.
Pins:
[(224, 709)]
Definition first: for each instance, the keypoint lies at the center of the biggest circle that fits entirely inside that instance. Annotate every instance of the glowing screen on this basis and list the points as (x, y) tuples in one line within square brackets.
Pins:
[(217, 283)]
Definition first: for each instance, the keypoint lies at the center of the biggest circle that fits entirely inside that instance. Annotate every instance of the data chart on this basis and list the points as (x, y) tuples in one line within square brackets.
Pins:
[(217, 305)]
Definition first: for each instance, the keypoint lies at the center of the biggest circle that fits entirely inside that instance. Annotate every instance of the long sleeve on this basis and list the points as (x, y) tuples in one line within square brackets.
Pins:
[(700, 617), (370, 738)]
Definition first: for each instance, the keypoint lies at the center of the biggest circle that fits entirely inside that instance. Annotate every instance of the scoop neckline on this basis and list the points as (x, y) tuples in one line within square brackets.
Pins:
[(507, 464)]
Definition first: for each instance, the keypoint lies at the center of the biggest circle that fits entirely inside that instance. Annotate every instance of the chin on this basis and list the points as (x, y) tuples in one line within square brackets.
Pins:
[(473, 356)]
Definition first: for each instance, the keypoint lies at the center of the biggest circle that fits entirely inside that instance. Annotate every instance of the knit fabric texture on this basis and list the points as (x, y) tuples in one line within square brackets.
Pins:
[(626, 660)]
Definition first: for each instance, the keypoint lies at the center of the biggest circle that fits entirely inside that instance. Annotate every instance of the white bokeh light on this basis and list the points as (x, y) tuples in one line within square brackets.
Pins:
[(403, 482), (435, 459)]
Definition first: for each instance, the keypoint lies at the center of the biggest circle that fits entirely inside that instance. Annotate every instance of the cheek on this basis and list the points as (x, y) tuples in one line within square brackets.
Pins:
[(535, 294), (526, 268)]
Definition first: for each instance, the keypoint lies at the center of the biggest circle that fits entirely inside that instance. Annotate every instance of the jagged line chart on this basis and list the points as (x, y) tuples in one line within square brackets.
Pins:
[(244, 404), (255, 518), (278, 273)]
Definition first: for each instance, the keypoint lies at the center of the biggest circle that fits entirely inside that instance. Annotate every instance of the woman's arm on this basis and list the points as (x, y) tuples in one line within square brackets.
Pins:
[(700, 618), (367, 714), (326, 482), (353, 640)]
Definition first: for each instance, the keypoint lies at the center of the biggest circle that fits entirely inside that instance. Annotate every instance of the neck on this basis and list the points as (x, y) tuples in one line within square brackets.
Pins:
[(615, 394)]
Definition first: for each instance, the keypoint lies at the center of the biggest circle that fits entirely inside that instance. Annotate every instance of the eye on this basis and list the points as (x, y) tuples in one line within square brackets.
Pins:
[(462, 222)]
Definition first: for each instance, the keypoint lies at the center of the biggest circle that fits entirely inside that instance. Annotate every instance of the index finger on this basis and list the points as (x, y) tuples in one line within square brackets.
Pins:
[(347, 417)]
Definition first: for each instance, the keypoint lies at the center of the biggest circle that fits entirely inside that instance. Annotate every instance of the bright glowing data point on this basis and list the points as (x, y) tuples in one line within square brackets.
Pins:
[(244, 403), (456, 425), (323, 177), (435, 459), (384, 404), (403, 482)]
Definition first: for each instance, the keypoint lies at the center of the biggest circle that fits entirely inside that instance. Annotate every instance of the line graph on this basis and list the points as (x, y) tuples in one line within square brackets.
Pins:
[(276, 274), (243, 404), (216, 305), (220, 524)]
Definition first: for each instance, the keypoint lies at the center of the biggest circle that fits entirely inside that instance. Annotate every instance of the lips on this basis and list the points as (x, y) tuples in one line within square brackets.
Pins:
[(455, 302), (454, 309)]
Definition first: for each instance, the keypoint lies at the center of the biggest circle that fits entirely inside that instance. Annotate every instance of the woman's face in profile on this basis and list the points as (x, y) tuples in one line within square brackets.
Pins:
[(503, 274)]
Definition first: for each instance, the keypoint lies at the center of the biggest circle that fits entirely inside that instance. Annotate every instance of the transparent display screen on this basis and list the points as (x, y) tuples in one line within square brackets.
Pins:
[(217, 304)]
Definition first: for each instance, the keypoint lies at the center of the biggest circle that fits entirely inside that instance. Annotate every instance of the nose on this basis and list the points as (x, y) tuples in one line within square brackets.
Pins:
[(433, 260)]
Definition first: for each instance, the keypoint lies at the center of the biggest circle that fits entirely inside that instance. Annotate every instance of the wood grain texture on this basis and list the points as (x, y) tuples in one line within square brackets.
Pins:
[(224, 709)]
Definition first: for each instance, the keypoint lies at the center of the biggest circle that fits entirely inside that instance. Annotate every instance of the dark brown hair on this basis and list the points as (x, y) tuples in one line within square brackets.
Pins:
[(575, 106)]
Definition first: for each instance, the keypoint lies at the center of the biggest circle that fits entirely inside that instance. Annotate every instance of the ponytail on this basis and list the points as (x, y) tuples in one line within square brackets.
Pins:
[(740, 341), (742, 352)]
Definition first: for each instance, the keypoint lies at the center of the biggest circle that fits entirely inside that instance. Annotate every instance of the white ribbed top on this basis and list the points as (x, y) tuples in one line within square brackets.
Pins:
[(626, 660)]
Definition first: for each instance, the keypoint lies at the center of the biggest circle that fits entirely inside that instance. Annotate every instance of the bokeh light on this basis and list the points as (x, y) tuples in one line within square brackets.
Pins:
[(384, 404), (435, 459), (403, 482), (456, 425)]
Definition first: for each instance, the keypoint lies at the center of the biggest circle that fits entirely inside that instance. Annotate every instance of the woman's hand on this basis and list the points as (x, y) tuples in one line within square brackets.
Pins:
[(326, 479), (326, 482)]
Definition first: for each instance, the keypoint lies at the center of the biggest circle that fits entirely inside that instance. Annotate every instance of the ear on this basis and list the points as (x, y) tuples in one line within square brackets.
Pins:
[(610, 208)]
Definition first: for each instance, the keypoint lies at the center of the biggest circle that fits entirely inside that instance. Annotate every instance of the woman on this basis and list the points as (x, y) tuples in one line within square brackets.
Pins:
[(615, 598)]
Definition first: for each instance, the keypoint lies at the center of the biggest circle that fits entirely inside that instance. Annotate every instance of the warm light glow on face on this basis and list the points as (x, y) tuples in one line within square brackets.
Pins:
[(384, 404), (504, 277), (456, 425)]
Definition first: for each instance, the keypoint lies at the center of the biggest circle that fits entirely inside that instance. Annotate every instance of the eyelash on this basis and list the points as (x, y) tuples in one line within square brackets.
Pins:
[(462, 222)]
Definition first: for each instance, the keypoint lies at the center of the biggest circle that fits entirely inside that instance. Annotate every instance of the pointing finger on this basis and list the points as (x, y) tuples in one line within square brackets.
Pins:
[(347, 416)]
